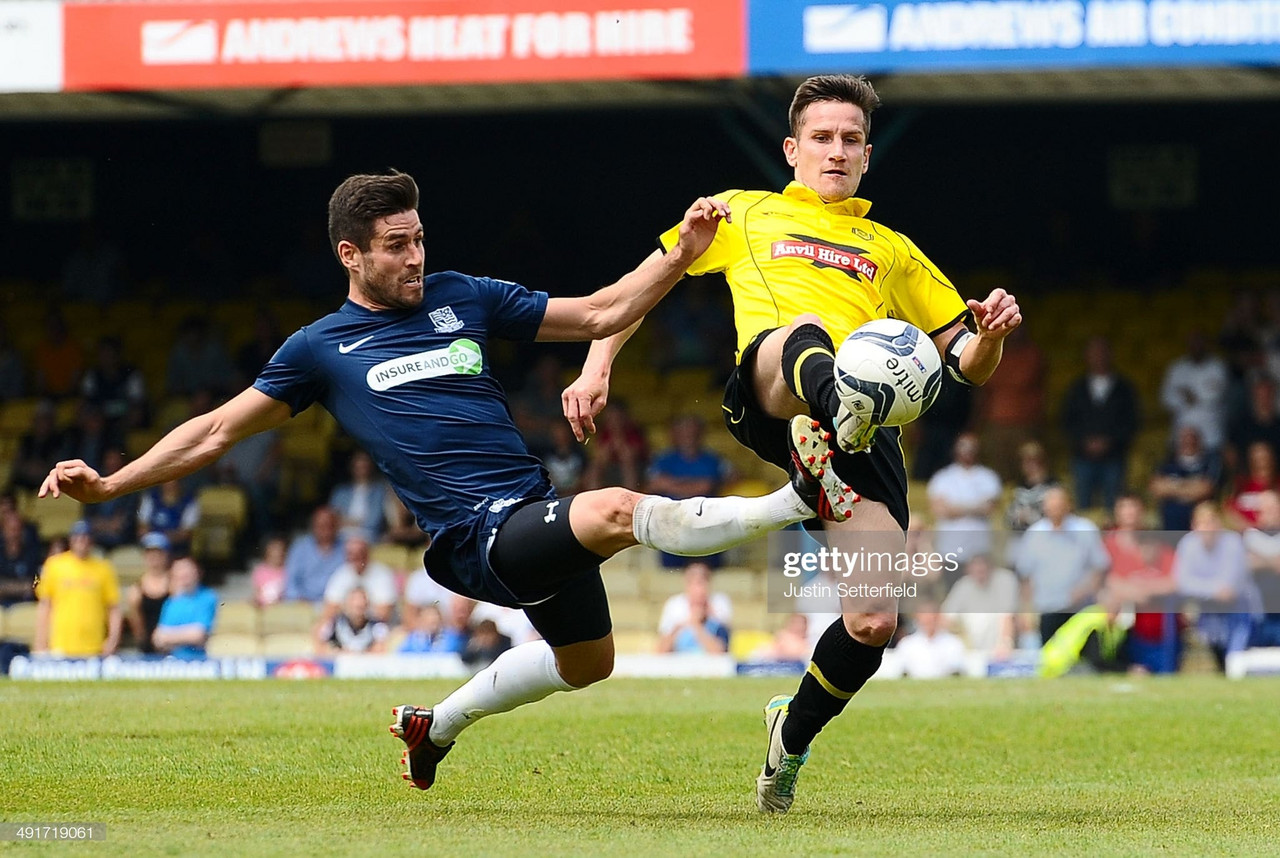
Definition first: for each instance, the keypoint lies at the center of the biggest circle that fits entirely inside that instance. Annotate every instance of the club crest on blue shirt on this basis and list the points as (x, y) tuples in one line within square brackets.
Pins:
[(445, 320)]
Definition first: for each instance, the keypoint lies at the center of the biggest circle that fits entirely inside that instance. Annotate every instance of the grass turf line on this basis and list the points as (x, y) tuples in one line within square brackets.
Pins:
[(1099, 766)]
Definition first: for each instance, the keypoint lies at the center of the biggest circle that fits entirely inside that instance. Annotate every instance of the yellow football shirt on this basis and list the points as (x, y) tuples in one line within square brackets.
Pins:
[(81, 592), (790, 253)]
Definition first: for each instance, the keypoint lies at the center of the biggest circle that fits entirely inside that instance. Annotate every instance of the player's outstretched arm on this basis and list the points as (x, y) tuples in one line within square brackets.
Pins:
[(614, 308), (185, 450), (978, 355)]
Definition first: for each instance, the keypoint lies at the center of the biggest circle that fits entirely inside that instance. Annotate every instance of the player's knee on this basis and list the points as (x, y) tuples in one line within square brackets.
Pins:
[(616, 507), (871, 629), (807, 319), (581, 672)]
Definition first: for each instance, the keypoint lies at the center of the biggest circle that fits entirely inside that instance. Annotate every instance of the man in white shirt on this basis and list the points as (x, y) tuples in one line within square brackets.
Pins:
[(1061, 560), (962, 497), (981, 606), (930, 652), (376, 579), (697, 580), (1194, 392)]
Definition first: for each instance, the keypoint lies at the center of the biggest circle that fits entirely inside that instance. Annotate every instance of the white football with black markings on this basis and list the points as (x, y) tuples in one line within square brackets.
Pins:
[(888, 371)]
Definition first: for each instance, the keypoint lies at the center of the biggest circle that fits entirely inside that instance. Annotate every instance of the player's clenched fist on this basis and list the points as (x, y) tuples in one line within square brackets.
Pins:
[(698, 228)]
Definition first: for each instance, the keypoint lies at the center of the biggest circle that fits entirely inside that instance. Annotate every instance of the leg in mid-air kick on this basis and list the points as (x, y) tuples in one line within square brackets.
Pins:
[(547, 554)]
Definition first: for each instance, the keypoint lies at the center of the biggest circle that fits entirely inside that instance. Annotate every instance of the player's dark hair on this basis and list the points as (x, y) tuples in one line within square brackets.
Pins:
[(361, 200), (846, 88)]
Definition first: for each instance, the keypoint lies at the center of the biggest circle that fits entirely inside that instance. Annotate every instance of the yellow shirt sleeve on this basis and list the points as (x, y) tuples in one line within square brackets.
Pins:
[(917, 292), (110, 586), (724, 247), (47, 582)]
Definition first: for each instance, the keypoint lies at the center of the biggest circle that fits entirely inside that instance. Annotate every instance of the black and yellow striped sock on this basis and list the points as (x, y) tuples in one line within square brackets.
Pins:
[(839, 669), (808, 365)]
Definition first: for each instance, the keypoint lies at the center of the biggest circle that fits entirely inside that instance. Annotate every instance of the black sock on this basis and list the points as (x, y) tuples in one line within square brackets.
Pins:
[(841, 665), (808, 367)]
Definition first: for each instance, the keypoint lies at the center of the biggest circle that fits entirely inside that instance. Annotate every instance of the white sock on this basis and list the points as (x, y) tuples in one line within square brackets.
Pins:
[(523, 674), (699, 526)]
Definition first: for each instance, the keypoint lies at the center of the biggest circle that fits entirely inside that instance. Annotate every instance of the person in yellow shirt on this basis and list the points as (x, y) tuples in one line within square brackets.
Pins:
[(79, 611), (806, 267)]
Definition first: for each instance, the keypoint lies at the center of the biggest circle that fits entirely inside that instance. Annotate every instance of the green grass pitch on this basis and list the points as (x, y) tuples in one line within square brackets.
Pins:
[(1187, 766)]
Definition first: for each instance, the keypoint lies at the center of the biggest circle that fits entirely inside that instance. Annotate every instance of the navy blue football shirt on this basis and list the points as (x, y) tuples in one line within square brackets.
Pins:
[(413, 388)]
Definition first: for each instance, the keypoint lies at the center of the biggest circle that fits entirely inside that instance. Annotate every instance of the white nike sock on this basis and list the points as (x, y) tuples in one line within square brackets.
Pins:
[(523, 674), (699, 526)]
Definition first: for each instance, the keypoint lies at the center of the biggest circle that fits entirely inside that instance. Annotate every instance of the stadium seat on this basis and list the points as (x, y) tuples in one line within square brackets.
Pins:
[(688, 382), (285, 617), (127, 561), (240, 618), (223, 511), (621, 583), (635, 642), (633, 615), (738, 583), (53, 517), (754, 615), (20, 622), (660, 583), (16, 416), (288, 644), (743, 643), (227, 644), (399, 558)]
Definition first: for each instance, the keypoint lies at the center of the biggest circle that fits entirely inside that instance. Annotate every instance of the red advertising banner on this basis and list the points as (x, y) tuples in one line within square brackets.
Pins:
[(210, 44)]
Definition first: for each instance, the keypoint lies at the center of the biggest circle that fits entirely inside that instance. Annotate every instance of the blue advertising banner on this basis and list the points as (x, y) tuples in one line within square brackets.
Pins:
[(804, 36)]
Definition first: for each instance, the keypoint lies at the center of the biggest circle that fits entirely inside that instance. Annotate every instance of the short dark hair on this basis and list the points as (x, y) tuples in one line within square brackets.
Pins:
[(847, 88), (362, 199)]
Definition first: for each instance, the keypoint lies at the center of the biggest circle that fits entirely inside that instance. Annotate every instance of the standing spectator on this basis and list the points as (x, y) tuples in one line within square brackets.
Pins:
[(939, 428), (1026, 507), (115, 521), (1061, 560), (170, 510), (1259, 422), (268, 574), (20, 559), (700, 633), (59, 359), (1189, 476), (620, 451), (39, 446), (359, 503), (1194, 392), (115, 388), (981, 606), (13, 372), (790, 643), (687, 470), (1100, 417), (930, 652), (253, 464), (1141, 576), (677, 610), (354, 629), (186, 618), (1259, 477), (79, 612), (1263, 545), (197, 360), (1011, 403), (1211, 567), (962, 497), (565, 462), (312, 558), (358, 572), (145, 599)]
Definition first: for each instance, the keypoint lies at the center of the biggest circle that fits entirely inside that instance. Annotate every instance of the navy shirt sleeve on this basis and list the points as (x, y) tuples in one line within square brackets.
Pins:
[(515, 313), (292, 375)]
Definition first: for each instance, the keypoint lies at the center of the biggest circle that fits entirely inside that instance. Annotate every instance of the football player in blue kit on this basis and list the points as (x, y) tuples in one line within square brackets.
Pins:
[(402, 367)]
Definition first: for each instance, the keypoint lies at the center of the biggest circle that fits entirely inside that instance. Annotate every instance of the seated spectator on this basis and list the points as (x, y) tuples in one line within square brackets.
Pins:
[(1026, 507), (1210, 566), (169, 509), (359, 503), (1099, 419), (565, 462), (21, 557), (253, 464), (38, 449), (1010, 404), (676, 610), (1259, 477), (312, 558), (1263, 546), (353, 629), (930, 652), (59, 360), (1092, 640), (268, 574), (197, 360), (538, 403), (115, 388), (938, 429), (1189, 476), (790, 643), (145, 599), (358, 572), (962, 497), (1141, 579), (421, 591), (485, 644), (186, 618), (260, 348), (115, 521), (687, 469), (511, 622), (700, 632), (1061, 561), (1259, 422), (402, 527), (981, 605), (428, 634), (79, 612), (618, 455), (13, 372)]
